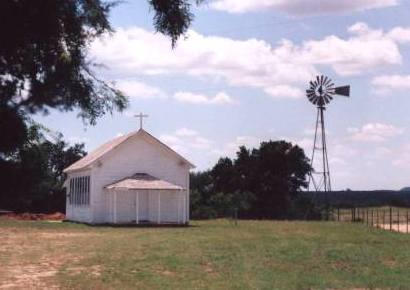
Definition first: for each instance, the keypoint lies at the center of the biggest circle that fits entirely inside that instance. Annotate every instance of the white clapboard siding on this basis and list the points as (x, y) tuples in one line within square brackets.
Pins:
[(139, 154)]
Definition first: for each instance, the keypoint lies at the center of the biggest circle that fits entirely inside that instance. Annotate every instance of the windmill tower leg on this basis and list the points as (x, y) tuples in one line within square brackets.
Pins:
[(320, 92), (322, 181), (312, 180)]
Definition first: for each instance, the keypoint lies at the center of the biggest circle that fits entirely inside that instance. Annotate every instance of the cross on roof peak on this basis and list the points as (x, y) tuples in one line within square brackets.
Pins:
[(141, 116)]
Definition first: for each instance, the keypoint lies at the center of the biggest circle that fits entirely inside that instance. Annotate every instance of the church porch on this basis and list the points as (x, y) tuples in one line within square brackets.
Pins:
[(144, 199)]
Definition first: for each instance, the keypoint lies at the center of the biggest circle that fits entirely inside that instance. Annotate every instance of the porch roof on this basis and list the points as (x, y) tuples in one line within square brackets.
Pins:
[(142, 181)]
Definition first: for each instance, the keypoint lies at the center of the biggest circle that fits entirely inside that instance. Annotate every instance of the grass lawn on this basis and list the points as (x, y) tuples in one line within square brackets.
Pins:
[(208, 255)]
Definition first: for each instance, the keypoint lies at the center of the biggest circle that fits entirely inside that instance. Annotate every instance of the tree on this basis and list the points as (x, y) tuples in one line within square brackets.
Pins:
[(277, 171), (33, 178), (43, 59), (262, 183)]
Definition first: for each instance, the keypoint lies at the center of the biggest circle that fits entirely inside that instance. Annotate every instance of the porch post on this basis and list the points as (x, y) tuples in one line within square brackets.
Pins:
[(159, 207), (179, 206), (184, 208), (109, 198), (136, 208), (115, 206)]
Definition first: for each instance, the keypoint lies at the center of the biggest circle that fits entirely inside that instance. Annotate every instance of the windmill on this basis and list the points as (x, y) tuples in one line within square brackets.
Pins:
[(321, 91)]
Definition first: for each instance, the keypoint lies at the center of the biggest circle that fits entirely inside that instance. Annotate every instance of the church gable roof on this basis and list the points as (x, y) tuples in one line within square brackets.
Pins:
[(107, 147)]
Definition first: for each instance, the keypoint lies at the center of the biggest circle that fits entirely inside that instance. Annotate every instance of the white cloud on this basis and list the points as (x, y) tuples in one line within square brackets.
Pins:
[(136, 89), (246, 63), (184, 132), (374, 132), (284, 91), (184, 140), (365, 50), (300, 7), (247, 141), (230, 148), (281, 70), (400, 34), (188, 97), (390, 83)]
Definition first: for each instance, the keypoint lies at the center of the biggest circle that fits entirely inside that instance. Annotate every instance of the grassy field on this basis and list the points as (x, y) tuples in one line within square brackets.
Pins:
[(207, 255)]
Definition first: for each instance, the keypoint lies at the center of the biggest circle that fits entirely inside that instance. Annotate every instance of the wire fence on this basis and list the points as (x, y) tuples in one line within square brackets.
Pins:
[(388, 218)]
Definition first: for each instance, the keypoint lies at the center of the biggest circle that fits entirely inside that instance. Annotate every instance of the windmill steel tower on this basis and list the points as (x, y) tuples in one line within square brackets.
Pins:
[(320, 93)]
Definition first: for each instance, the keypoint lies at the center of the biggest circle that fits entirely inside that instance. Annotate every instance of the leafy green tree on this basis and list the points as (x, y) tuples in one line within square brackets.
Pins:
[(261, 183), (33, 177), (43, 59), (278, 172)]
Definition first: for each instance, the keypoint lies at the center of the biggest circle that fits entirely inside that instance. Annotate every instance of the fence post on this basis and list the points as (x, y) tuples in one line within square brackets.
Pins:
[(398, 219), (391, 222), (371, 225), (338, 214), (367, 217), (236, 216), (407, 221), (362, 215), (377, 218)]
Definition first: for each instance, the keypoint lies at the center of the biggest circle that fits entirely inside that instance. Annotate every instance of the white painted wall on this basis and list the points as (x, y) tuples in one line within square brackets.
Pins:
[(80, 213), (139, 154)]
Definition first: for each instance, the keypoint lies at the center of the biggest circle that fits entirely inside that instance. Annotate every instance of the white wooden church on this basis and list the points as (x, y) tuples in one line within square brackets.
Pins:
[(133, 178)]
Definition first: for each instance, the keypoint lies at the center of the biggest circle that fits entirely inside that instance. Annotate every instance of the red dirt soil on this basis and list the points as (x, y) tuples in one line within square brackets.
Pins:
[(57, 216)]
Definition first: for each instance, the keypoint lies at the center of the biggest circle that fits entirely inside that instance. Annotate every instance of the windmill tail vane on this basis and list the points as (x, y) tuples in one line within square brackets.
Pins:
[(343, 91)]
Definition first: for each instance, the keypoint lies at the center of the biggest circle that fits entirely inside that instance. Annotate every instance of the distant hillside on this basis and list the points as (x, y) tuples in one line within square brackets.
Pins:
[(405, 189), (363, 198)]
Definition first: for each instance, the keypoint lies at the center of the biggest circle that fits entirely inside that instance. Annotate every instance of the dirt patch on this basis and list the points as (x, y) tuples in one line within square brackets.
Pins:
[(54, 235), (390, 263), (93, 270), (25, 266), (208, 268), (164, 272), (57, 216), (29, 276), (39, 275)]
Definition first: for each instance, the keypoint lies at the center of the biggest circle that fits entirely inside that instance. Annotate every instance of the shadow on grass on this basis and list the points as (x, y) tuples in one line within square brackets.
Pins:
[(134, 225)]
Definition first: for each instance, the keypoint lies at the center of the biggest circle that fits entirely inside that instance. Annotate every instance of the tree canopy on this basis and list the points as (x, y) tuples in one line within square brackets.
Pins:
[(32, 179), (262, 183), (43, 59)]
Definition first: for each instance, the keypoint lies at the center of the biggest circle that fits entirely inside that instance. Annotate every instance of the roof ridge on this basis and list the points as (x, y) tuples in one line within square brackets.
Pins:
[(108, 146), (98, 152)]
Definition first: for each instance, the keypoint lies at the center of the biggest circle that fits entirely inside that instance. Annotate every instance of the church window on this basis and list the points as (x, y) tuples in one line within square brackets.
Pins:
[(80, 191)]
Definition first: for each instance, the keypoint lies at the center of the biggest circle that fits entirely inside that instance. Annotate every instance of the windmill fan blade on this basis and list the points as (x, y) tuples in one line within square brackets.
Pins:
[(343, 91), (317, 80)]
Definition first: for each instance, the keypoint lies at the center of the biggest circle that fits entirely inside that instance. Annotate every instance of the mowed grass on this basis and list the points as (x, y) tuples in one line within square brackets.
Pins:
[(207, 255)]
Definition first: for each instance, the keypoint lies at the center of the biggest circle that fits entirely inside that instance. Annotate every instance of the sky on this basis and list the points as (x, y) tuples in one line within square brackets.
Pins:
[(239, 78)]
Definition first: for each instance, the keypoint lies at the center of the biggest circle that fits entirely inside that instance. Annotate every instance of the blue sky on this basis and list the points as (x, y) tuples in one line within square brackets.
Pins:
[(239, 77)]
